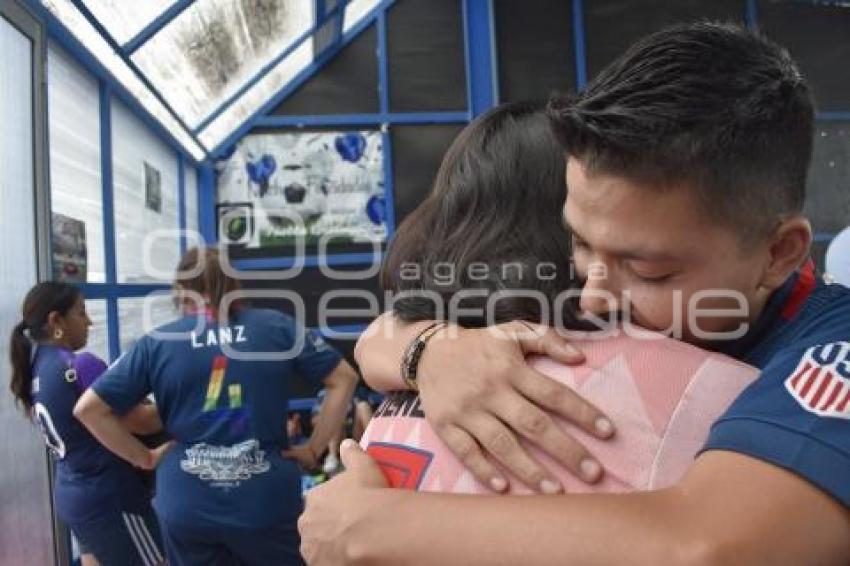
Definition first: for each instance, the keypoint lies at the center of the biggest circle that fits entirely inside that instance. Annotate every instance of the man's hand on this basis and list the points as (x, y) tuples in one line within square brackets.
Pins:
[(479, 394), (332, 510)]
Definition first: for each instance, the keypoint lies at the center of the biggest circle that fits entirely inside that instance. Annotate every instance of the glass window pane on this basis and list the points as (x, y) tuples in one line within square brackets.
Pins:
[(144, 172), (76, 192), (17, 185), (91, 39), (355, 11), (258, 95), (125, 19), (98, 343), (213, 48), (24, 493), (191, 198), (133, 322)]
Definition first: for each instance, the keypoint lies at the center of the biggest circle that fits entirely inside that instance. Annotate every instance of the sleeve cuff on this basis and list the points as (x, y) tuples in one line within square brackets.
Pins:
[(115, 401), (321, 371), (816, 462)]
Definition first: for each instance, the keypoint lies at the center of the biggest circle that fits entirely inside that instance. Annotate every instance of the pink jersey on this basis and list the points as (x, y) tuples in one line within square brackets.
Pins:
[(662, 394)]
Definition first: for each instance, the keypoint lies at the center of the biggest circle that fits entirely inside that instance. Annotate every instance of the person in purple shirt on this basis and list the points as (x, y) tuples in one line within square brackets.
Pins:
[(99, 496)]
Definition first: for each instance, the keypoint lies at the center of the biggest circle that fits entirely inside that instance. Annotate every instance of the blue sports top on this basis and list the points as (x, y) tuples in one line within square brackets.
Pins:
[(796, 415), (90, 480), (224, 400)]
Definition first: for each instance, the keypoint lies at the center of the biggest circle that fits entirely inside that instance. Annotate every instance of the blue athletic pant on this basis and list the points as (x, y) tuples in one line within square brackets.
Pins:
[(227, 546), (122, 539)]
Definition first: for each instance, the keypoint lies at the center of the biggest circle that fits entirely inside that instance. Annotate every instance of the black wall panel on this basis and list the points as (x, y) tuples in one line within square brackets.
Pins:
[(611, 26), (818, 38), (426, 56), (828, 198), (348, 84), (311, 285), (417, 153), (534, 42)]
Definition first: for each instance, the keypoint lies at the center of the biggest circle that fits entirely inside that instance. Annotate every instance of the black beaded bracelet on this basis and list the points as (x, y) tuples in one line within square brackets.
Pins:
[(413, 353)]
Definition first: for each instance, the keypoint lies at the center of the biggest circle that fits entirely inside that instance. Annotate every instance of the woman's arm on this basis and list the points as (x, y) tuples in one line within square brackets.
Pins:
[(142, 419), (339, 387), (380, 348), (730, 509), (104, 425), (479, 395)]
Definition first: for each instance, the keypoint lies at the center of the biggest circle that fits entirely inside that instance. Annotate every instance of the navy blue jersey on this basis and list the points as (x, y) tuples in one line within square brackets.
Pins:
[(796, 415), (226, 411), (90, 481)]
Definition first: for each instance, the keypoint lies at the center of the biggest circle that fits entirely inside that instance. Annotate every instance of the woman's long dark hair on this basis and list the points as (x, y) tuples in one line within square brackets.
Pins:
[(40, 301), (497, 200)]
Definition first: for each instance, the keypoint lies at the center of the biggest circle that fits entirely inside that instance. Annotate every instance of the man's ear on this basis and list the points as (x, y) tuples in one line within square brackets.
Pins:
[(789, 248)]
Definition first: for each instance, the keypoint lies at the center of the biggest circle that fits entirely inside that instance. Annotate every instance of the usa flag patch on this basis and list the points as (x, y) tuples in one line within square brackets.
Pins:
[(821, 381)]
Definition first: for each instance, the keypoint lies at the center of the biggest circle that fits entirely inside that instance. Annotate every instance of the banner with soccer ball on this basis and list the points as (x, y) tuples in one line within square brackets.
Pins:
[(277, 187)]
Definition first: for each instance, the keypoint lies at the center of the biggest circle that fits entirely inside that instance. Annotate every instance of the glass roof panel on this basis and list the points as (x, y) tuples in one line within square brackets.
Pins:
[(125, 19), (82, 30), (355, 11), (258, 95), (215, 47)]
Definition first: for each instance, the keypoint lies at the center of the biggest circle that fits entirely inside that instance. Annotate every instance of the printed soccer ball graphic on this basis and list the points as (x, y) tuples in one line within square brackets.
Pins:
[(288, 191)]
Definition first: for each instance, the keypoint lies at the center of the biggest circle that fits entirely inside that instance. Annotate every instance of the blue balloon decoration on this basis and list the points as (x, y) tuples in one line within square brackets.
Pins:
[(269, 164), (376, 209), (260, 171), (350, 146)]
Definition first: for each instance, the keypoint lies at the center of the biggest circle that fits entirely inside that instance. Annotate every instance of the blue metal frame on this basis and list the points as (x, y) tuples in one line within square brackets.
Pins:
[(105, 105), (579, 44), (823, 237), (59, 33), (384, 107), (751, 14), (833, 116), (332, 260), (181, 201), (110, 291), (478, 49), (107, 37), (383, 67), (206, 203), (150, 30), (363, 119), (296, 82), (338, 27), (265, 70)]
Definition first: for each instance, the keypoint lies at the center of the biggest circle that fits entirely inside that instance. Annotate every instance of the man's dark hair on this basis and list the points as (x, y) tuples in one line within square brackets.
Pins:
[(709, 106)]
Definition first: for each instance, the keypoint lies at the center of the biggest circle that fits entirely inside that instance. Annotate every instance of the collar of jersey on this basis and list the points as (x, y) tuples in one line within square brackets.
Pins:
[(782, 306)]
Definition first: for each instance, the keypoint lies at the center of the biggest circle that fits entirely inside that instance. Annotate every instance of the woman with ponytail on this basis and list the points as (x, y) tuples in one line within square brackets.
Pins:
[(99, 496)]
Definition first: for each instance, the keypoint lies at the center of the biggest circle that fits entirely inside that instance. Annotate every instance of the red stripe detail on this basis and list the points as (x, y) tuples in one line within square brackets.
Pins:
[(809, 382), (804, 286), (843, 404), (796, 379), (836, 390), (220, 362), (822, 389)]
